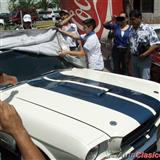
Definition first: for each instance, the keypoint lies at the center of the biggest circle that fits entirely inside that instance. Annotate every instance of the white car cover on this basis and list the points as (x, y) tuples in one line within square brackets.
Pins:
[(44, 41)]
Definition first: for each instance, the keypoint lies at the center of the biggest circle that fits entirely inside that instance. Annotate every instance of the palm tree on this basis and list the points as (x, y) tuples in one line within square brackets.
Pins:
[(26, 3), (44, 4), (55, 3), (14, 4)]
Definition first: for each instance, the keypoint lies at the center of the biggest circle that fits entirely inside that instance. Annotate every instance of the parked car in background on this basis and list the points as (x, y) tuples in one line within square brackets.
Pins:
[(155, 69), (1, 22), (47, 15), (5, 17), (156, 27), (16, 16), (56, 13)]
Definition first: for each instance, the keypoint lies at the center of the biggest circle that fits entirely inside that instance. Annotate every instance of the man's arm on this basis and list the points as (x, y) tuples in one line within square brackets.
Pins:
[(80, 53), (110, 24), (153, 39), (72, 35), (11, 123), (27, 148), (150, 50), (66, 20)]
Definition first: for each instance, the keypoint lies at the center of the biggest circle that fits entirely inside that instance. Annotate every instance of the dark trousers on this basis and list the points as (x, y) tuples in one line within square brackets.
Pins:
[(120, 60), (73, 48)]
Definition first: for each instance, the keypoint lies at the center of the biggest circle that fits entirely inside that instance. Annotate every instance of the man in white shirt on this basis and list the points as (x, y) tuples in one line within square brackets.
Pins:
[(67, 26), (91, 48), (27, 22)]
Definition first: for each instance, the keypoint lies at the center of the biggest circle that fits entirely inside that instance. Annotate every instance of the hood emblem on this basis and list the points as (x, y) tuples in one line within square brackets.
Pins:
[(113, 123)]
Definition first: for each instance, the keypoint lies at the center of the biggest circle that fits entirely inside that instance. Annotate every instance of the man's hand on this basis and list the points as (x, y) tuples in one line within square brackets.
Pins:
[(114, 17), (60, 30), (8, 79), (10, 121), (143, 55), (72, 14), (63, 53)]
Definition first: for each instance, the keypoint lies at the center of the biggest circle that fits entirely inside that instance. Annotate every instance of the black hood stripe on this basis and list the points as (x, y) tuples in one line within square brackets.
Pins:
[(96, 96)]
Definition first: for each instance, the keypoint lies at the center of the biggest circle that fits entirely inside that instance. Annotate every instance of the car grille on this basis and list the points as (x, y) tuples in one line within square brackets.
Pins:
[(137, 134)]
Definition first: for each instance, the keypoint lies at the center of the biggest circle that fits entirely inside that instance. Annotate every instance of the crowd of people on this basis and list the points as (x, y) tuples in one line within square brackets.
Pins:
[(132, 46), (91, 48), (135, 41)]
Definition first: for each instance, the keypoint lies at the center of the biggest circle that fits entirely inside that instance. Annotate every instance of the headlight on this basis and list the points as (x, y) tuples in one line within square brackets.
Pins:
[(93, 153)]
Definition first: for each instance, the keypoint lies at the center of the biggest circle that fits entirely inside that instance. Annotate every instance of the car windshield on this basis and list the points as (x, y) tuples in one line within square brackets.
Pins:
[(26, 66)]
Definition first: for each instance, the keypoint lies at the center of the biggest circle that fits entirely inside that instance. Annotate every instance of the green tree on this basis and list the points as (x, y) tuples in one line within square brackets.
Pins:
[(26, 4), (55, 3), (14, 4), (39, 4), (44, 4)]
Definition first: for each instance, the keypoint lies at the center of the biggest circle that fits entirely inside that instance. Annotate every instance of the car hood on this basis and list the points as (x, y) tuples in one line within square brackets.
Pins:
[(109, 108)]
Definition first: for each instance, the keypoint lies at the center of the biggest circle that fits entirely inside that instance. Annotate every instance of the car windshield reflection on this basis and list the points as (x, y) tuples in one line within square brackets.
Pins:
[(26, 66)]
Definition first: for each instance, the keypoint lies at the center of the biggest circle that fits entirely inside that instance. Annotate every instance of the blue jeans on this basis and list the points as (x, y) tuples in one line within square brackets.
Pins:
[(141, 67)]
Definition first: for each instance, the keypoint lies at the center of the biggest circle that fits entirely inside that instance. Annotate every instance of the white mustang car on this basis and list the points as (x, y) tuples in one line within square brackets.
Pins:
[(80, 114)]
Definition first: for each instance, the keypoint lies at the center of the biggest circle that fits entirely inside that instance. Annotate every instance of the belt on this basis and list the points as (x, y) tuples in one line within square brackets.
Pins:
[(121, 47), (73, 48)]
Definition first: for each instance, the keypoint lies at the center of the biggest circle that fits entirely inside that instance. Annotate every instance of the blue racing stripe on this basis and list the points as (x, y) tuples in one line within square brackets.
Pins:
[(96, 96), (140, 97)]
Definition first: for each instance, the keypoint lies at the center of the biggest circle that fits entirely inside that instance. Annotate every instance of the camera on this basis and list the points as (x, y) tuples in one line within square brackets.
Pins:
[(120, 19)]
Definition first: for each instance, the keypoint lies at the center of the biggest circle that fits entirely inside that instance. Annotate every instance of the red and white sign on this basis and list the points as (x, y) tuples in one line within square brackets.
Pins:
[(100, 10)]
